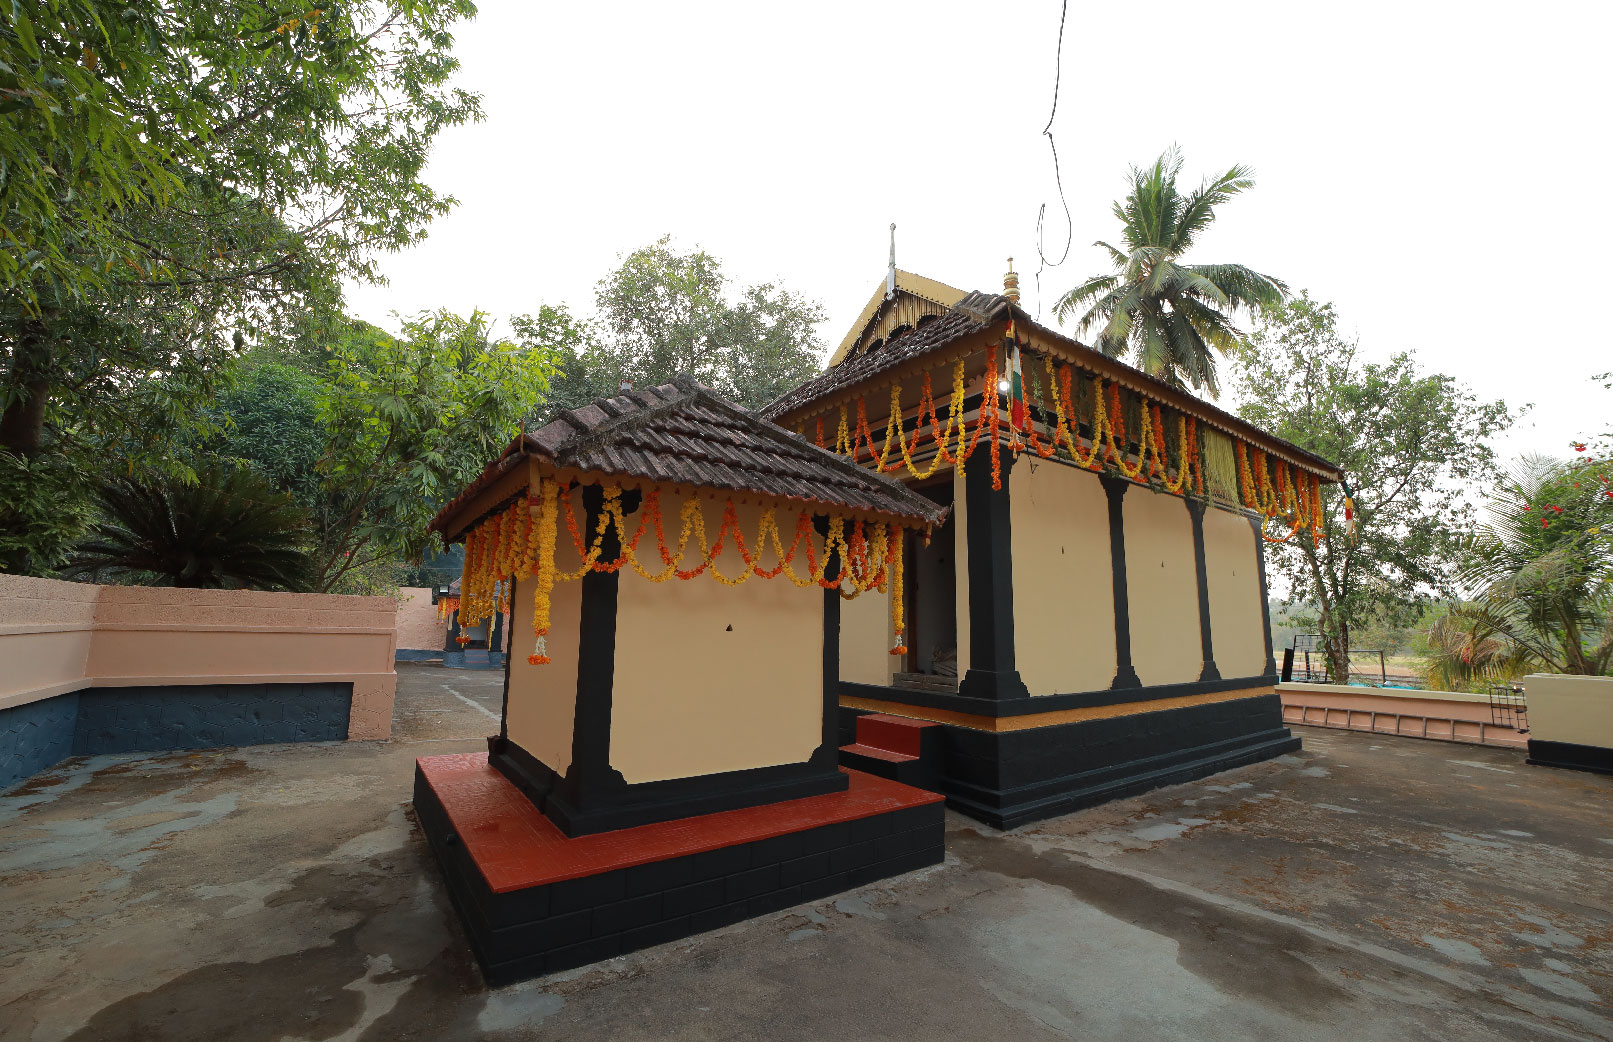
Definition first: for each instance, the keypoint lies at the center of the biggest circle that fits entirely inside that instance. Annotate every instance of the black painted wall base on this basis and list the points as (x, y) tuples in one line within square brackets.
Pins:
[(1597, 759), (624, 806), (542, 929), (1010, 778)]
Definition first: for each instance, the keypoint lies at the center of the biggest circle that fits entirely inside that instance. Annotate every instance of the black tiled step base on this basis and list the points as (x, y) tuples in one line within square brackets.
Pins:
[(527, 933), (1571, 756), (1010, 778)]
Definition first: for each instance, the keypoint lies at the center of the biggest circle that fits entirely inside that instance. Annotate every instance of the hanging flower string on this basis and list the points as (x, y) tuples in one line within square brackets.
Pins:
[(519, 543), (1275, 489), (1164, 452)]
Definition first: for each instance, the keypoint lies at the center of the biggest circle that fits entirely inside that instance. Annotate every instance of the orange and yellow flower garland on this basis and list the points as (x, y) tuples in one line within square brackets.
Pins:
[(519, 542), (1283, 490), (1275, 489)]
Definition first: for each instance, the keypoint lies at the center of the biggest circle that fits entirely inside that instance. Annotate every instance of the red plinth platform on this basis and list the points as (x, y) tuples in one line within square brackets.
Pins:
[(534, 900)]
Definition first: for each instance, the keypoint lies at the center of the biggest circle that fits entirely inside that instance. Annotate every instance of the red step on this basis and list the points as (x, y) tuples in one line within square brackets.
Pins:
[(516, 847), (895, 734), (876, 753)]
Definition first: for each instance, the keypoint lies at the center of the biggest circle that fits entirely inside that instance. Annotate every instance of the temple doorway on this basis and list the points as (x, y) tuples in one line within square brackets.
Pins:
[(932, 596)]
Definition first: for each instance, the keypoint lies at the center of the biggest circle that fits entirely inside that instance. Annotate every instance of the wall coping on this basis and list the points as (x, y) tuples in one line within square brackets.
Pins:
[(34, 610), (1353, 691)]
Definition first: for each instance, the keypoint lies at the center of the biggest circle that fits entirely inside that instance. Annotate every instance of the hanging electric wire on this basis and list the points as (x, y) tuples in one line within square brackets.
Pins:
[(1041, 214)]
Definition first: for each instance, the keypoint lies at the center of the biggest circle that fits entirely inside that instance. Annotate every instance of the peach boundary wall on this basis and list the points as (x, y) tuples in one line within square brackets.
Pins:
[(62, 637), (1441, 715)]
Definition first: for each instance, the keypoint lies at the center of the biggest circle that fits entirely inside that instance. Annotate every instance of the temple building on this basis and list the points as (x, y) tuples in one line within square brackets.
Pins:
[(676, 570), (1089, 620)]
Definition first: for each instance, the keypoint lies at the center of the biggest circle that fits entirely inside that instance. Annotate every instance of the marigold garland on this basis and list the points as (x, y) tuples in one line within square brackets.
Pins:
[(1282, 489), (548, 528), (1279, 490), (894, 555), (520, 541)]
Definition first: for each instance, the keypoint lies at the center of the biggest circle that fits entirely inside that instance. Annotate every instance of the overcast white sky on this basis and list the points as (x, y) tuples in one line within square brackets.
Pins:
[(1436, 170)]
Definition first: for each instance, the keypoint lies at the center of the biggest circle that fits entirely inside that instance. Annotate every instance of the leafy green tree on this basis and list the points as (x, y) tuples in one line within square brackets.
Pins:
[(1410, 444), (227, 528), (255, 158), (1539, 572), (661, 312), (82, 87), (1165, 313), (583, 373), (407, 422), (269, 420)]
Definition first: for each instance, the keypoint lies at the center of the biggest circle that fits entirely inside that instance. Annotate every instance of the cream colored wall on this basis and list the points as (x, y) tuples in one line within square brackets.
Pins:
[(45, 633), (1064, 615), (1237, 618), (865, 639), (1571, 709), (418, 626), (543, 699), (1161, 588), (147, 636), (711, 678), (960, 528)]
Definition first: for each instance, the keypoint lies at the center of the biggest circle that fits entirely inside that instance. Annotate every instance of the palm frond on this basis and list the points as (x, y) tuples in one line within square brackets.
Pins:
[(228, 528), (1098, 284), (1198, 209), (1243, 286)]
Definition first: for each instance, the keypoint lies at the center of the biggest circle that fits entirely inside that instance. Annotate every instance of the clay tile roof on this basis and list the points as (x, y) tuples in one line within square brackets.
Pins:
[(974, 313), (684, 433), (970, 315)]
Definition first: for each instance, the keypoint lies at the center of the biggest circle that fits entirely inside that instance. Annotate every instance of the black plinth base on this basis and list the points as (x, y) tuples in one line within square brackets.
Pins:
[(1594, 758), (534, 901)]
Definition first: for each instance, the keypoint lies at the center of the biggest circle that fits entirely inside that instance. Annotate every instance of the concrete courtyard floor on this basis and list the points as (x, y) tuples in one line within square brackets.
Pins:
[(1366, 888)]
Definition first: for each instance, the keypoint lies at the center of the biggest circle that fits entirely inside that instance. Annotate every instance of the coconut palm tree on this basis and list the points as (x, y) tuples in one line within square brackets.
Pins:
[(227, 529), (1165, 313), (1541, 566)]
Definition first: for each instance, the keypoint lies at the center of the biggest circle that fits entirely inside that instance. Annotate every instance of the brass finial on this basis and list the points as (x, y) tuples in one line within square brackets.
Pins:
[(1011, 282)]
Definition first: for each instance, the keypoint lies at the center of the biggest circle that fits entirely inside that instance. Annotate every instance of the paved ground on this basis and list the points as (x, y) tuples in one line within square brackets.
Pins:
[(1367, 888)]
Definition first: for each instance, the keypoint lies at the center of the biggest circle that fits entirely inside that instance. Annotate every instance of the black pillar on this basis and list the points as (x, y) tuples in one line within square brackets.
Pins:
[(1195, 509), (991, 671), (831, 662), (1115, 487), (504, 707), (1258, 524), (590, 769)]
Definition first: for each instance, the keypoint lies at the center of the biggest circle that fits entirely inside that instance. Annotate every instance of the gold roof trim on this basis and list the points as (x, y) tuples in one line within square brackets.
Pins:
[(906, 282)]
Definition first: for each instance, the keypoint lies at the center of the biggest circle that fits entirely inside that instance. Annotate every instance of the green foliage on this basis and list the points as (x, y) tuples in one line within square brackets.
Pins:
[(271, 424), (1410, 444), (406, 423), (581, 369), (81, 92), (138, 135), (211, 171), (661, 312), (228, 528), (1167, 314), (44, 509), (1539, 571)]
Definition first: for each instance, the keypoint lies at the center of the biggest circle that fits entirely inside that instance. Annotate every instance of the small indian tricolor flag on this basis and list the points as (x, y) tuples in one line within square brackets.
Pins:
[(1019, 414)]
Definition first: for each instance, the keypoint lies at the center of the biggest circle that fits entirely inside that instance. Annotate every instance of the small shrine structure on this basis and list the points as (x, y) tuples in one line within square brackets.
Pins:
[(1090, 619), (667, 759)]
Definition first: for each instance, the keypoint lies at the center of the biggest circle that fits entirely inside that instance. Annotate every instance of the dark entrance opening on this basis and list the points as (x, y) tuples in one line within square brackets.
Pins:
[(932, 593)]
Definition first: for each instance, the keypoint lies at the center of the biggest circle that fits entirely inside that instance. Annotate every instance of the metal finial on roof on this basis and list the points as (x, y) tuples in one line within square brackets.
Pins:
[(1011, 282), (890, 276)]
